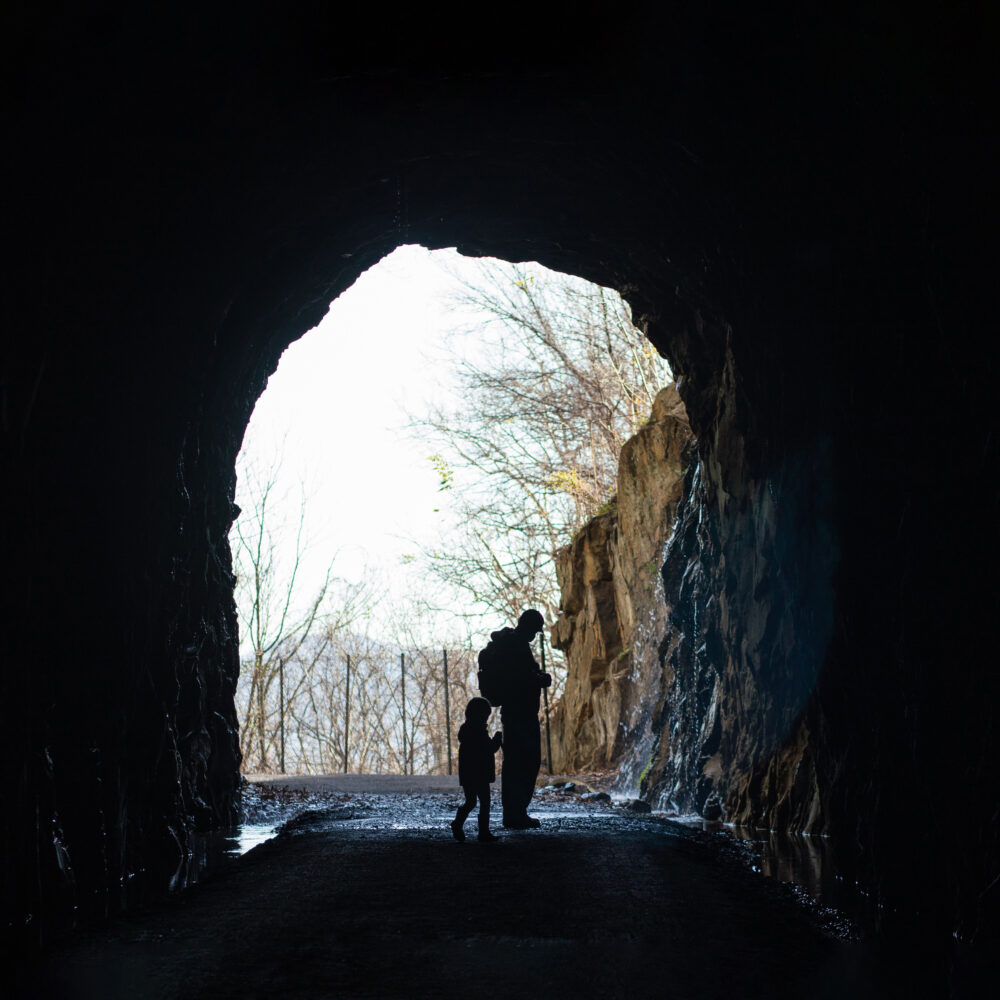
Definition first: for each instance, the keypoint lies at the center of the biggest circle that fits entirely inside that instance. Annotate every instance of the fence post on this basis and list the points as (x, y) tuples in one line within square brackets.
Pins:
[(447, 708), (402, 670), (281, 710), (545, 691), (347, 714)]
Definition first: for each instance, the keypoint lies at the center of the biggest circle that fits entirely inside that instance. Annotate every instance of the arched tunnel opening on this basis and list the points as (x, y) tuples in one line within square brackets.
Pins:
[(800, 218), (388, 524), (577, 390)]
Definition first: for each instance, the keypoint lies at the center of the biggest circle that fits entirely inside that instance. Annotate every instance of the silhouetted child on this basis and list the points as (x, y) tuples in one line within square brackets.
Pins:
[(476, 767)]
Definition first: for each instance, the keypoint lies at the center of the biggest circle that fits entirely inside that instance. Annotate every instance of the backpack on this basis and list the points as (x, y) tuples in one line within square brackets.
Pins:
[(492, 675)]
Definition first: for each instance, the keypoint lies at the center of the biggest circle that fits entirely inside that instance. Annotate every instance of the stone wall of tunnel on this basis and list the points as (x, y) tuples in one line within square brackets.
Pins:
[(809, 248)]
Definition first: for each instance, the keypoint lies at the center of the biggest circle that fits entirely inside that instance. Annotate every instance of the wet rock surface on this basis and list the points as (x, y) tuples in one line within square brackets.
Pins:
[(368, 895), (614, 613)]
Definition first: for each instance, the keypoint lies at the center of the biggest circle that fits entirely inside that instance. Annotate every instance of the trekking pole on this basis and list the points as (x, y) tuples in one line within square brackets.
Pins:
[(447, 708), (545, 692), (281, 710), (347, 715), (402, 672)]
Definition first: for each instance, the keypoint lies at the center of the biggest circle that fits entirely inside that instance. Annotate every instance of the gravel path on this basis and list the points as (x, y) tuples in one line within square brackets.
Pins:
[(365, 894), (409, 783)]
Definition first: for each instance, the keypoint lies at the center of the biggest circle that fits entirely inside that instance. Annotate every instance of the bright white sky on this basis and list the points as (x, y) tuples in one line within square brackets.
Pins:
[(336, 412)]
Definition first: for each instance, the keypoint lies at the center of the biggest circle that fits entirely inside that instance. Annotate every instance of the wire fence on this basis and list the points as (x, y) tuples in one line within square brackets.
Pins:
[(367, 710)]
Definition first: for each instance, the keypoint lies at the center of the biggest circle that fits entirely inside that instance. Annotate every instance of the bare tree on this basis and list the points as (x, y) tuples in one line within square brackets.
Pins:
[(279, 629), (560, 380), (343, 706), (375, 740), (426, 737)]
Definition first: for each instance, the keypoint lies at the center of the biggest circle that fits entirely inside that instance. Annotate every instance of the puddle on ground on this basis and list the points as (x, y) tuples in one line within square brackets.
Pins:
[(209, 852), (807, 861), (812, 866), (249, 835)]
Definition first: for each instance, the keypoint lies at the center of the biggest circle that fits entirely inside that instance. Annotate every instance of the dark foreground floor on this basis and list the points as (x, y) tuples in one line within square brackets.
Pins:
[(376, 900)]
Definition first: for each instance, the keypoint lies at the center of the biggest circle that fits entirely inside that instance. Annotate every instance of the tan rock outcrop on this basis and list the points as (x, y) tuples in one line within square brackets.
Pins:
[(608, 576)]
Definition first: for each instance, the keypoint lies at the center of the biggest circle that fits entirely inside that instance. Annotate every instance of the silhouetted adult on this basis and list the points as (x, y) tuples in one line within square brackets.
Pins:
[(523, 681)]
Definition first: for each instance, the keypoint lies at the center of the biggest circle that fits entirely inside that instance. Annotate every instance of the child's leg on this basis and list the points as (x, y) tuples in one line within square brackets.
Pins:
[(464, 809), (483, 793)]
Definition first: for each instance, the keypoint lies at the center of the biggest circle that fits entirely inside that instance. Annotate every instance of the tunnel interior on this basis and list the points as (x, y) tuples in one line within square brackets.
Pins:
[(801, 218)]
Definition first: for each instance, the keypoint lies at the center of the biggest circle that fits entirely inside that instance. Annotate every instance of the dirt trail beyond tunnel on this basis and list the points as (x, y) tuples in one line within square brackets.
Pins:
[(368, 895)]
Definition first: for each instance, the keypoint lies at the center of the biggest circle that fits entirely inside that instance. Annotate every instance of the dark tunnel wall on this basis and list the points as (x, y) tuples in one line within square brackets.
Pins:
[(801, 212)]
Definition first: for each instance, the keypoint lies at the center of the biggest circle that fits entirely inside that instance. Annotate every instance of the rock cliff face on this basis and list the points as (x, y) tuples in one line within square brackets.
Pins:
[(613, 614), (695, 624)]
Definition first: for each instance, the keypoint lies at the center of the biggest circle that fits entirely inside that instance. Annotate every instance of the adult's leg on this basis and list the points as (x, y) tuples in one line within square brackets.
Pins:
[(521, 761), (513, 766), (532, 763)]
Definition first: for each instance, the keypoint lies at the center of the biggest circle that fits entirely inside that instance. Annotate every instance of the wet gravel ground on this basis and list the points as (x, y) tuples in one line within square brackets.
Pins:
[(368, 895)]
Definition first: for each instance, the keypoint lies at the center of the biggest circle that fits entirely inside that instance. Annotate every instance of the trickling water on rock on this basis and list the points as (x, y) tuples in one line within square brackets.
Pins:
[(613, 611), (695, 632)]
